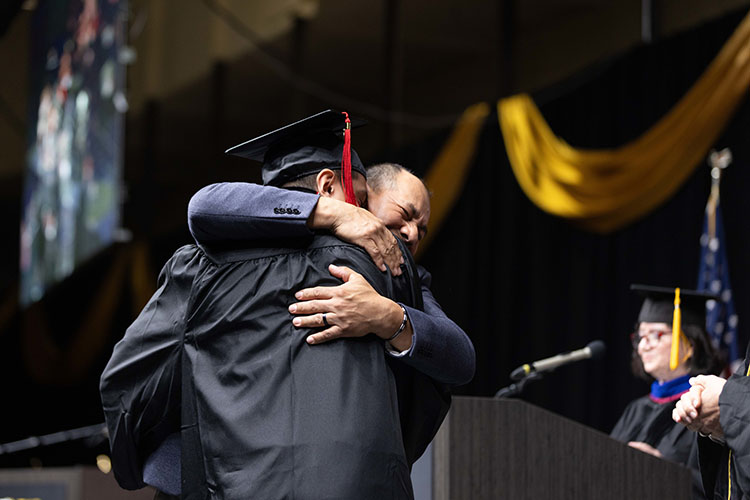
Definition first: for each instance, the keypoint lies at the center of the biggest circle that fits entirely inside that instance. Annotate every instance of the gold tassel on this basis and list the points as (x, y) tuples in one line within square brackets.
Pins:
[(674, 356)]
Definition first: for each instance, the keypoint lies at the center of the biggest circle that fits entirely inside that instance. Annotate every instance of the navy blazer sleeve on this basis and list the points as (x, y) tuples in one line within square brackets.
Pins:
[(440, 348), (231, 211), (250, 212)]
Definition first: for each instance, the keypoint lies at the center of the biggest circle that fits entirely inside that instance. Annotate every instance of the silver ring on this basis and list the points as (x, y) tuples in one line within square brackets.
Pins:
[(325, 321)]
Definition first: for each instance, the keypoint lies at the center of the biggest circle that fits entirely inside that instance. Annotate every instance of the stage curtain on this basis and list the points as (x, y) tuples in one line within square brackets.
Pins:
[(447, 175), (605, 189)]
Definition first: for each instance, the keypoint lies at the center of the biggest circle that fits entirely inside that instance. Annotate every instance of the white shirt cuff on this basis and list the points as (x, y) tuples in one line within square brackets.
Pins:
[(396, 353)]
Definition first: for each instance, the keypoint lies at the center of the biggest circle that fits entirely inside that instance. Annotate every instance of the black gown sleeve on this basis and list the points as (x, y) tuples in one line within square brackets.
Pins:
[(140, 386), (734, 411), (727, 465)]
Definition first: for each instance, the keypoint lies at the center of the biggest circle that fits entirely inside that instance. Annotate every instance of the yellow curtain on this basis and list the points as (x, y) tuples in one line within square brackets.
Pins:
[(604, 190)]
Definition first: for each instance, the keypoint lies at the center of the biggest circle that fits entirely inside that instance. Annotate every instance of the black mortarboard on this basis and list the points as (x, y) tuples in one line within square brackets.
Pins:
[(658, 305), (675, 306), (305, 147)]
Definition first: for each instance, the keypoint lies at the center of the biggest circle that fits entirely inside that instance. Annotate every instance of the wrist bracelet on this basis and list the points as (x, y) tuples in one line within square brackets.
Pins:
[(403, 324)]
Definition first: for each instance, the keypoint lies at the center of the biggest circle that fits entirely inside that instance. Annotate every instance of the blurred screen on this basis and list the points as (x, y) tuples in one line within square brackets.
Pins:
[(71, 197)]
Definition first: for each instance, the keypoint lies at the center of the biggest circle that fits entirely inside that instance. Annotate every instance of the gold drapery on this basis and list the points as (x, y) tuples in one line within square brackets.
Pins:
[(604, 190)]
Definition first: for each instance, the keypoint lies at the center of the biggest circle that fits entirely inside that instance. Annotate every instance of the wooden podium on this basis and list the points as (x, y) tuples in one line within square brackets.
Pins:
[(500, 448), (65, 483)]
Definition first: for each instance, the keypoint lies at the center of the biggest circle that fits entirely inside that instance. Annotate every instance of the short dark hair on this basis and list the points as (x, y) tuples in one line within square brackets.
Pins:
[(309, 181), (704, 359)]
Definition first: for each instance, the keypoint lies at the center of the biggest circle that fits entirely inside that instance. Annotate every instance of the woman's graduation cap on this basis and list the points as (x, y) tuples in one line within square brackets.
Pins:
[(307, 147), (675, 306)]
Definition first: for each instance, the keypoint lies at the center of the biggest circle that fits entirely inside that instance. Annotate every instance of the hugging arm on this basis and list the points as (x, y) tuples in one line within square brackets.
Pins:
[(254, 214)]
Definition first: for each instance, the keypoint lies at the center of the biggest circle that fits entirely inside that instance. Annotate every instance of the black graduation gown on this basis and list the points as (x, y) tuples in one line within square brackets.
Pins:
[(725, 468), (263, 414), (650, 422)]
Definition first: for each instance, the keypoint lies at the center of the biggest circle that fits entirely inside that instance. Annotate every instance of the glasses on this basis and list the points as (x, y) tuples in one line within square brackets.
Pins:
[(652, 337)]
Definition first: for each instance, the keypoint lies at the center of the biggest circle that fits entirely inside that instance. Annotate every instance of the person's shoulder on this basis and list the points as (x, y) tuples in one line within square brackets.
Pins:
[(229, 252), (330, 246), (321, 244), (327, 249), (642, 403), (187, 251), (185, 261), (187, 254), (324, 239), (182, 255)]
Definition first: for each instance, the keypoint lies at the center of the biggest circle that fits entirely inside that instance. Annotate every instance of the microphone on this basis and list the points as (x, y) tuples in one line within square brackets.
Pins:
[(594, 349)]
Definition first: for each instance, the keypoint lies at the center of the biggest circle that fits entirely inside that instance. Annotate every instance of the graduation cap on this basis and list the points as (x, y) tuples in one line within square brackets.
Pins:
[(307, 147), (675, 306)]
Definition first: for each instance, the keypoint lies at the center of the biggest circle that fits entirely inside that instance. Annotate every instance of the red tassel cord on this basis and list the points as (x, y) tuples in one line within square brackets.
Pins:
[(346, 164)]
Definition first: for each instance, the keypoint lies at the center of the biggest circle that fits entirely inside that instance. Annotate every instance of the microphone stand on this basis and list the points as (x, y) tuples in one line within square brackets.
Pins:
[(95, 433), (514, 390)]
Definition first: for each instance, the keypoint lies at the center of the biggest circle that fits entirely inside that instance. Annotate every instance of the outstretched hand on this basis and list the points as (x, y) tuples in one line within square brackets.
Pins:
[(359, 227), (352, 309)]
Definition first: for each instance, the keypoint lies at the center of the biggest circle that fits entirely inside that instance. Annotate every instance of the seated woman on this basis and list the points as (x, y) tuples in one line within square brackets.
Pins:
[(646, 423)]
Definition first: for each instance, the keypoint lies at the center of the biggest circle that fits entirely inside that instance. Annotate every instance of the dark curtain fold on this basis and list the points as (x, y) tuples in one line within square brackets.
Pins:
[(526, 285)]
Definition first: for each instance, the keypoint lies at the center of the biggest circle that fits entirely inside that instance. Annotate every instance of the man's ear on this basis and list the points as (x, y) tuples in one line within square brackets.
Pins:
[(326, 182)]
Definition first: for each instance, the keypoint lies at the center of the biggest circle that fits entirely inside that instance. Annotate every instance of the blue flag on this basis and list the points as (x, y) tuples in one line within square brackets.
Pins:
[(713, 276)]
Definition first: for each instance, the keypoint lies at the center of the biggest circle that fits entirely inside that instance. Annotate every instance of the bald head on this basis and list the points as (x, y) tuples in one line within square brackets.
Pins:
[(400, 199)]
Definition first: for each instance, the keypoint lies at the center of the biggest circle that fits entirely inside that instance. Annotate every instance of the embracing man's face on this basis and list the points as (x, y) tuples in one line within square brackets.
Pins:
[(405, 208)]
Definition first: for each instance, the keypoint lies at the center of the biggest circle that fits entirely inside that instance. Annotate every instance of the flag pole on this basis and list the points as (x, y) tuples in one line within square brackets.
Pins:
[(718, 160)]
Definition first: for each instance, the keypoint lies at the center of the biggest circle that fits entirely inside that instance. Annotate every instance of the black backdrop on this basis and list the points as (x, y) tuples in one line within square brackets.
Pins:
[(527, 285)]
